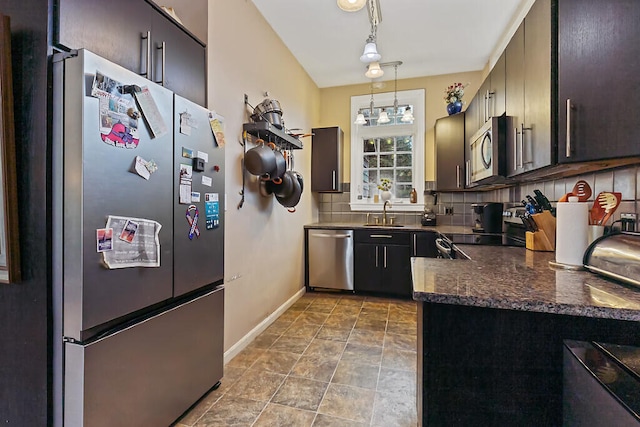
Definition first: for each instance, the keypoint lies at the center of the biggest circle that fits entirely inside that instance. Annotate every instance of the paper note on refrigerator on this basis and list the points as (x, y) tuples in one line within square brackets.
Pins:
[(150, 112), (141, 250)]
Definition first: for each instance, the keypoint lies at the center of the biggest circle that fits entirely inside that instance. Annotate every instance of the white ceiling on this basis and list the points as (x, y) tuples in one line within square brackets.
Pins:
[(430, 37)]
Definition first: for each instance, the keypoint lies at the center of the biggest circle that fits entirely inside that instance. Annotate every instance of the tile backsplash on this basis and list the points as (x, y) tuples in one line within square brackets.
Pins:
[(335, 207)]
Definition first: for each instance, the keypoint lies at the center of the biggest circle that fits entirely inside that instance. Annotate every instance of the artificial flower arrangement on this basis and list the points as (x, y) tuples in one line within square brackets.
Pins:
[(454, 93), (385, 184)]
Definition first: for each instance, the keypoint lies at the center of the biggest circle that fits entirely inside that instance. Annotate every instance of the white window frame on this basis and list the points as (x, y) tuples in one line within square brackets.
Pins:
[(416, 98)]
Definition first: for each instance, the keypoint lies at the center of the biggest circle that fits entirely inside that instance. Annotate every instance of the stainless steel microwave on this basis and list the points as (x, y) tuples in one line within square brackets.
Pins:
[(487, 162)]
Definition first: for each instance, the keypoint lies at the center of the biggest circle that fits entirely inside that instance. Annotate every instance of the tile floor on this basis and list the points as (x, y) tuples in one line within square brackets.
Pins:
[(329, 360)]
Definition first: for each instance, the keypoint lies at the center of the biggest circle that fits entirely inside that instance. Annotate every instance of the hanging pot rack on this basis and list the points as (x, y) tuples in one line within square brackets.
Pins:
[(268, 132)]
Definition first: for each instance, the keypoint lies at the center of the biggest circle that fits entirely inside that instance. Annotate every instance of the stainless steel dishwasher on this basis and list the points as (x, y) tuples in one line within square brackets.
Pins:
[(331, 259)]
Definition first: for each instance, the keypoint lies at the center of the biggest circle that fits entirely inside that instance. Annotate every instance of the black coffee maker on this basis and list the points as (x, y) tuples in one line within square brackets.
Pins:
[(430, 207), (488, 217)]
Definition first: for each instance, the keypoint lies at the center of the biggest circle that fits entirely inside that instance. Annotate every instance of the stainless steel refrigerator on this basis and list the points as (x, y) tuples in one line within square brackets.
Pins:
[(138, 238)]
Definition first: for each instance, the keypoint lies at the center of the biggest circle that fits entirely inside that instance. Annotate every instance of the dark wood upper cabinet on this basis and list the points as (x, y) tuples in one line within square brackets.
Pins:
[(117, 30), (598, 62), (450, 148), (528, 92), (326, 159), (496, 101)]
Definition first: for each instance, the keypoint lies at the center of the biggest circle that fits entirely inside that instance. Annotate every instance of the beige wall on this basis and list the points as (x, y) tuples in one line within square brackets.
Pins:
[(335, 105), (264, 245)]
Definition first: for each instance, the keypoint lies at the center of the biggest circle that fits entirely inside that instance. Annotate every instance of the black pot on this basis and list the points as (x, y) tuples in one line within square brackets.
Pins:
[(284, 188), (293, 198), (260, 160)]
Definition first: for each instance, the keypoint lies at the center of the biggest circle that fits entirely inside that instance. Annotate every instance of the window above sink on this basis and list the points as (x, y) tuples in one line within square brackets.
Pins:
[(393, 150)]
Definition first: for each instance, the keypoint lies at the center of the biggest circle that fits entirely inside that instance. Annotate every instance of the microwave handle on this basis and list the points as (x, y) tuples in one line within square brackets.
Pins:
[(515, 148), (569, 108), (457, 176)]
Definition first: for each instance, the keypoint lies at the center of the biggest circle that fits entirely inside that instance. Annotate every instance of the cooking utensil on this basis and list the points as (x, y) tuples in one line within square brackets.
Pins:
[(597, 212), (260, 160), (543, 201), (610, 202), (533, 203), (580, 189)]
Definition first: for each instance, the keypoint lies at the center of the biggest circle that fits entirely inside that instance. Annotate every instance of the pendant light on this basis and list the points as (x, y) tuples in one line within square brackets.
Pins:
[(374, 71), (370, 53), (384, 117), (351, 5), (407, 116), (360, 120)]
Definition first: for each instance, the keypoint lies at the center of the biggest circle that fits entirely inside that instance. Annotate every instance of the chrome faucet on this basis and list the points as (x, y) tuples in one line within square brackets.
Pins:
[(384, 212)]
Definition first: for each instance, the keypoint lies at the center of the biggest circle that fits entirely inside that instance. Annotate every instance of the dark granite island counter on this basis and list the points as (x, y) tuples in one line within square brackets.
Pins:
[(490, 333)]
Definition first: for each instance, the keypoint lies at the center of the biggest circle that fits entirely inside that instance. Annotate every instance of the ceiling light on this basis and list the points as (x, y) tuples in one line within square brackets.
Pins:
[(351, 5), (374, 71), (370, 53), (360, 120), (384, 117), (407, 116)]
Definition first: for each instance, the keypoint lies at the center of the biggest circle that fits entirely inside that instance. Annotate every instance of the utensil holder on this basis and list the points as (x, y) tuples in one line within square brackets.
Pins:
[(545, 238)]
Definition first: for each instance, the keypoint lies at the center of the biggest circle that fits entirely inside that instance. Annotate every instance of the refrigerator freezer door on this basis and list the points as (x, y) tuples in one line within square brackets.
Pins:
[(98, 182), (150, 373), (199, 260)]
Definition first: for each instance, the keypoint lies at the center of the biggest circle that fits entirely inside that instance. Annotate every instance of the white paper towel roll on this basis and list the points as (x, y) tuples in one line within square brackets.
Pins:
[(572, 226)]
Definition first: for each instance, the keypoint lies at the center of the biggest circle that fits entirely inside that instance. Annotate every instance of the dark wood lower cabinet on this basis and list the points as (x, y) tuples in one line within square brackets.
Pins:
[(493, 367), (382, 269)]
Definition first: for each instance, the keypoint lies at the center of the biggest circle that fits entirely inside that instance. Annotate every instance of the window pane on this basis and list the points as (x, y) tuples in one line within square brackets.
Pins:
[(403, 160), (386, 160), (369, 145), (404, 143), (403, 191), (371, 161), (404, 175), (386, 145)]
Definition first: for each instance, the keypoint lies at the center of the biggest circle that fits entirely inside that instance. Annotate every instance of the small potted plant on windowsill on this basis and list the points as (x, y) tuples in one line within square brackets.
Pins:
[(385, 187)]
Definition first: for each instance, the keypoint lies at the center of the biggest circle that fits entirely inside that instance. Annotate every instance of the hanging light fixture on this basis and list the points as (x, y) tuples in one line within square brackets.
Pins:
[(370, 53), (351, 5), (360, 120), (374, 71), (407, 116), (384, 117)]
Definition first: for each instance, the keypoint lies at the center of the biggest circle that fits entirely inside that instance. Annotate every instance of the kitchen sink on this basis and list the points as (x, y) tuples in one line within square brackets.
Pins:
[(384, 226)]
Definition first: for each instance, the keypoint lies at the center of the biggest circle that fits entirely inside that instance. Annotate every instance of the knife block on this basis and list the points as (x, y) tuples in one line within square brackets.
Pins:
[(545, 238)]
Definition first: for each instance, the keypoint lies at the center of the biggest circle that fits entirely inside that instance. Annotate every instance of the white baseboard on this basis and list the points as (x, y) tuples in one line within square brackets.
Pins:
[(247, 339)]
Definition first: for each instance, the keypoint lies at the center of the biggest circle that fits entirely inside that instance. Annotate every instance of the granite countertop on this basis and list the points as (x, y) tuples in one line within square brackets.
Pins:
[(518, 279), (444, 229)]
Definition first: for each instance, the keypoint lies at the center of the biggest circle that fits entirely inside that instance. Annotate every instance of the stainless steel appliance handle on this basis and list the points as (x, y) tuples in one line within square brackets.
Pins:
[(385, 256), (521, 164), (515, 149), (457, 176), (384, 236), (568, 153), (376, 256), (147, 71), (333, 180), (486, 106), (163, 47), (332, 236)]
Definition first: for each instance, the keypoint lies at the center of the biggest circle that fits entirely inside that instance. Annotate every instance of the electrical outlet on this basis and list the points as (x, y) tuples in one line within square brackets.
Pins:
[(629, 216), (448, 210)]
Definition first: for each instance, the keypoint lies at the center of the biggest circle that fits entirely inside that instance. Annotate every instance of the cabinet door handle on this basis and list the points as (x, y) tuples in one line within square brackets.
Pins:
[(333, 180), (457, 176), (376, 256), (569, 107), (147, 71), (385, 256), (415, 245), (163, 47), (468, 172), (522, 129), (521, 164), (384, 236)]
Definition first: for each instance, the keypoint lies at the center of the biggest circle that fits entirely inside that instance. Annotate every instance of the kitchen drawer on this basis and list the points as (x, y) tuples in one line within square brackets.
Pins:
[(382, 236)]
